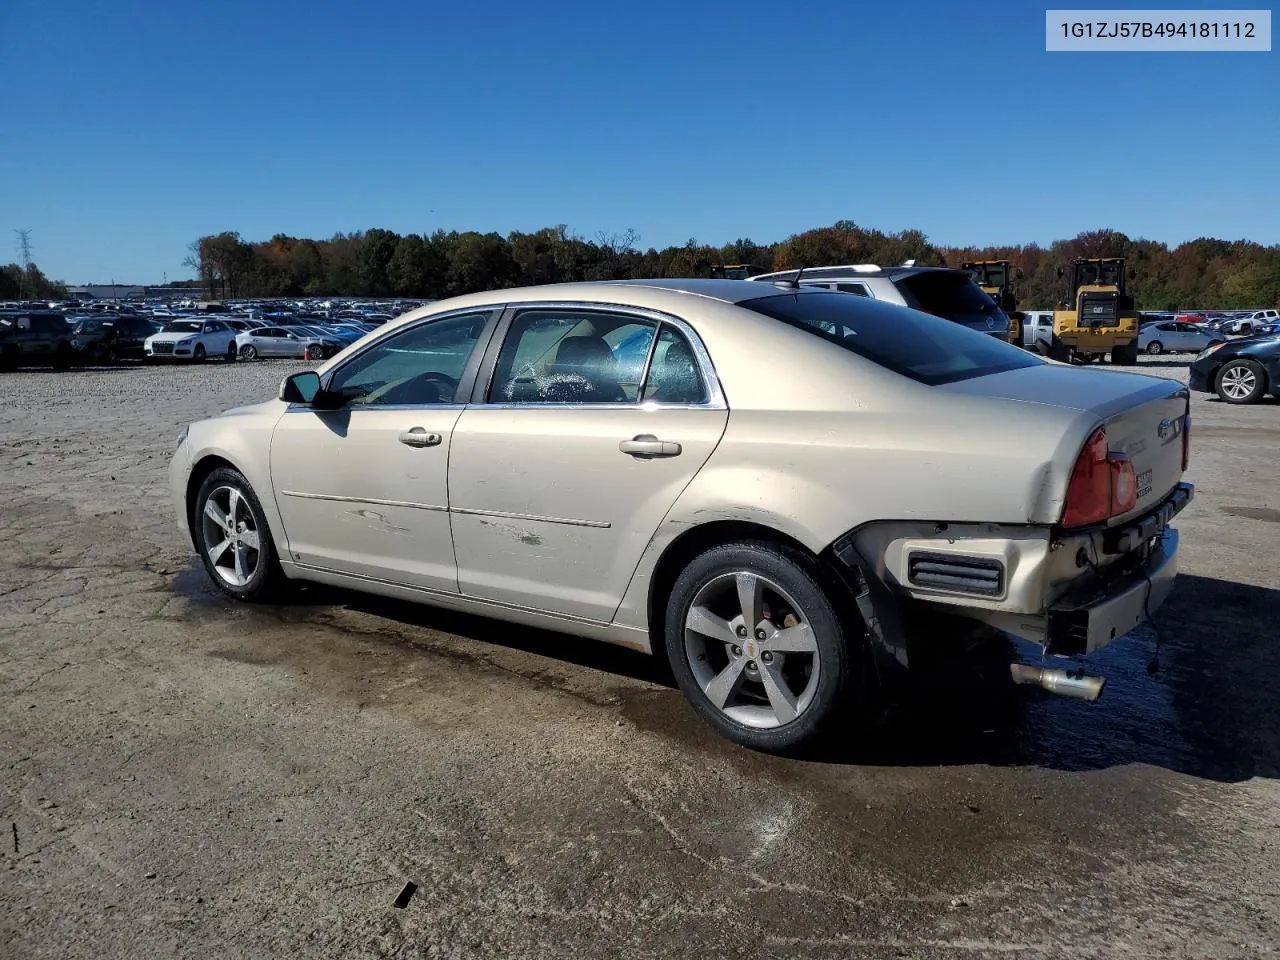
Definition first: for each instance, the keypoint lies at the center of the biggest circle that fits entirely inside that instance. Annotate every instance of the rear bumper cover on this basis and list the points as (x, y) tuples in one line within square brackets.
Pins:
[(1085, 619)]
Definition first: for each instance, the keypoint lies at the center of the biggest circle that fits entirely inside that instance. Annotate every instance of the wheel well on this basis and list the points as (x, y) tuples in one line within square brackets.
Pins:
[(687, 546), (201, 470)]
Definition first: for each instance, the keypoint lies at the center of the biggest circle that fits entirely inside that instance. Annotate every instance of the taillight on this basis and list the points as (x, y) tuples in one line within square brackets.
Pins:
[(1186, 441), (1103, 484)]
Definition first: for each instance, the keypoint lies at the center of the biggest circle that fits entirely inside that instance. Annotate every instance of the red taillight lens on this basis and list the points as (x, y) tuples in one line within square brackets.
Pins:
[(1103, 484), (1089, 492)]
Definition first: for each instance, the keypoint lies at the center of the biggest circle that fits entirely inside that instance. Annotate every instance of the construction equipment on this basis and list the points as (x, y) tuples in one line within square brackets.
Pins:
[(998, 280), (735, 271), (1099, 318)]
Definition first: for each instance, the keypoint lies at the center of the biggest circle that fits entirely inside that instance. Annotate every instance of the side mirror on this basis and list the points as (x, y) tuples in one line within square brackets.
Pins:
[(300, 387)]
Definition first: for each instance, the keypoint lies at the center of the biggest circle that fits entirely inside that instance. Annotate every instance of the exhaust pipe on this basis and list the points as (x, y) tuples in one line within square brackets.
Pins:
[(1067, 684)]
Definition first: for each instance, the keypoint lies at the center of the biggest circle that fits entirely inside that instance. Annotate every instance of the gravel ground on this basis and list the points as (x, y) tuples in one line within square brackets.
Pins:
[(185, 777)]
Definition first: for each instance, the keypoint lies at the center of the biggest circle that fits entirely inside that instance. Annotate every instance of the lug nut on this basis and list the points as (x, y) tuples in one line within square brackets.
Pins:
[(767, 657), (741, 631), (737, 650), (751, 664), (759, 634)]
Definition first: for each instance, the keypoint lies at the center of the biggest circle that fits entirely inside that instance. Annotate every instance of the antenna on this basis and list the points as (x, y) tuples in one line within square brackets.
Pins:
[(791, 283)]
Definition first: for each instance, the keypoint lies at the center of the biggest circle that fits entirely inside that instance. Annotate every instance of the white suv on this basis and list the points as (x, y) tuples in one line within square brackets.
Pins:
[(941, 291)]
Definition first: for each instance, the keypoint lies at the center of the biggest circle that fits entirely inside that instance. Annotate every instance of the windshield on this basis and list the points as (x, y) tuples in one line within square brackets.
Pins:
[(927, 349), (183, 326), (94, 325), (1105, 273), (989, 274)]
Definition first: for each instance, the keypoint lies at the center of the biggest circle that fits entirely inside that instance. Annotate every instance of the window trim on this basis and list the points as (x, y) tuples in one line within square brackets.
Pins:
[(469, 372), (715, 394)]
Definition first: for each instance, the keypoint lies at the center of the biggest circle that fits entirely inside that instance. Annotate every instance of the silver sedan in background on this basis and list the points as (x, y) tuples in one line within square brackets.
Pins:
[(1176, 336)]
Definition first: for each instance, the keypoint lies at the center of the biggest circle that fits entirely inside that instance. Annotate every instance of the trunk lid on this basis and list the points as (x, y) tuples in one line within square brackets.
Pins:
[(1144, 416)]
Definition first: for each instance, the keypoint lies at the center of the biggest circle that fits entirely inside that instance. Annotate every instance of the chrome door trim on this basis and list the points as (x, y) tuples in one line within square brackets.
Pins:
[(369, 500), (504, 515)]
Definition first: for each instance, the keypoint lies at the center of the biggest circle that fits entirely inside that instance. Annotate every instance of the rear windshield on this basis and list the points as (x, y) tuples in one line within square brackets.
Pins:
[(947, 294), (926, 349)]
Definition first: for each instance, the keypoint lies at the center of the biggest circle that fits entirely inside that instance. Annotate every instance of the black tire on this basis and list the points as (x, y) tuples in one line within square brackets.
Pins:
[(8, 360), (198, 354), (1125, 356), (267, 581), (230, 355), (248, 352), (63, 356), (1250, 377), (834, 652), (1060, 351), (1155, 348)]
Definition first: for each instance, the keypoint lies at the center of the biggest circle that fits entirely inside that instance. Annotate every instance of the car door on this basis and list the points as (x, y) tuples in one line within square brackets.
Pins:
[(564, 466), (363, 489)]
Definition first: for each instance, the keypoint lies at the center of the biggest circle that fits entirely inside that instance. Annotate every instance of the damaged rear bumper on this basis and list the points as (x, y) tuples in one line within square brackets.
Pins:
[(1082, 621)]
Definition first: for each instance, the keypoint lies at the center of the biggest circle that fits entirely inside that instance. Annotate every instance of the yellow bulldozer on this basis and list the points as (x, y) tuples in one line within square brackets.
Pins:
[(998, 280), (735, 271), (1099, 318)]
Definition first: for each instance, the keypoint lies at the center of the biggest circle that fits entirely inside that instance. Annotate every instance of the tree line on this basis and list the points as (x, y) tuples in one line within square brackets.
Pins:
[(28, 284), (1203, 273)]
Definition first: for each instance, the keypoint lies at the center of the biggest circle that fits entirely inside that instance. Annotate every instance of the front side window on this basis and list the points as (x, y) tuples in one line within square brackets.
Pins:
[(422, 365), (573, 356)]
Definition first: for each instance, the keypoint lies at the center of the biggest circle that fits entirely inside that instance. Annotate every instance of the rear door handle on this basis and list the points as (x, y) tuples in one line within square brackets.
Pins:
[(646, 446), (418, 437)]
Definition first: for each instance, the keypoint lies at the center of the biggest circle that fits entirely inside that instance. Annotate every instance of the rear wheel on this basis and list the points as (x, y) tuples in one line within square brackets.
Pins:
[(62, 356), (757, 647), (230, 355), (1242, 381), (1155, 348)]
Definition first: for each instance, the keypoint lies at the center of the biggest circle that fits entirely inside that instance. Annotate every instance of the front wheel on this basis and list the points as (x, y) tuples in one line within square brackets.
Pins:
[(248, 352), (1060, 352), (232, 537), (757, 647), (1155, 348), (198, 353), (1242, 381)]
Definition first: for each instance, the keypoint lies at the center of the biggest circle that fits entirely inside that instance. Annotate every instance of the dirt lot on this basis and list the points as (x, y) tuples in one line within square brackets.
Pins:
[(186, 777)]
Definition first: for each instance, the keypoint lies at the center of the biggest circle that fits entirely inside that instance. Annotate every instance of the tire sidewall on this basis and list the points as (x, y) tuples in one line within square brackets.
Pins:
[(801, 578), (199, 353), (1155, 348), (264, 576)]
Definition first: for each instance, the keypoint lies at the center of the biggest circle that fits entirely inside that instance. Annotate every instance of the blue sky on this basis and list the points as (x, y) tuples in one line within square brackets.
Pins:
[(134, 126)]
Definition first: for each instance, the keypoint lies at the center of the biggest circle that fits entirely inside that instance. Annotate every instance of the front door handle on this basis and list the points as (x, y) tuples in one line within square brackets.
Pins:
[(418, 437), (646, 446)]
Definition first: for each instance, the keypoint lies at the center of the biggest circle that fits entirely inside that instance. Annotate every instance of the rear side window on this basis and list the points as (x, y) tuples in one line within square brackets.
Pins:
[(946, 294), (927, 349)]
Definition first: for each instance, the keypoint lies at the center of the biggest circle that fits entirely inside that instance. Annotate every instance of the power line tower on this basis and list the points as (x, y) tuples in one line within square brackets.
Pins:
[(24, 258)]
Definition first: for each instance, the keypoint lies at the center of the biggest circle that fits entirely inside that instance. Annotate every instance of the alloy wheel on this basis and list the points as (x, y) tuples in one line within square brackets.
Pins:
[(1238, 382), (751, 650), (231, 536)]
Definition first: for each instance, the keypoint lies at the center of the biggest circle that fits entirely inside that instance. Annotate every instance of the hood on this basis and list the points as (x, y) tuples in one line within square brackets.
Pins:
[(170, 337)]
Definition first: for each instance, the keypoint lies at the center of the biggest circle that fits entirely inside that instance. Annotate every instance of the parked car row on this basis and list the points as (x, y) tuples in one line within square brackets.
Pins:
[(60, 340)]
